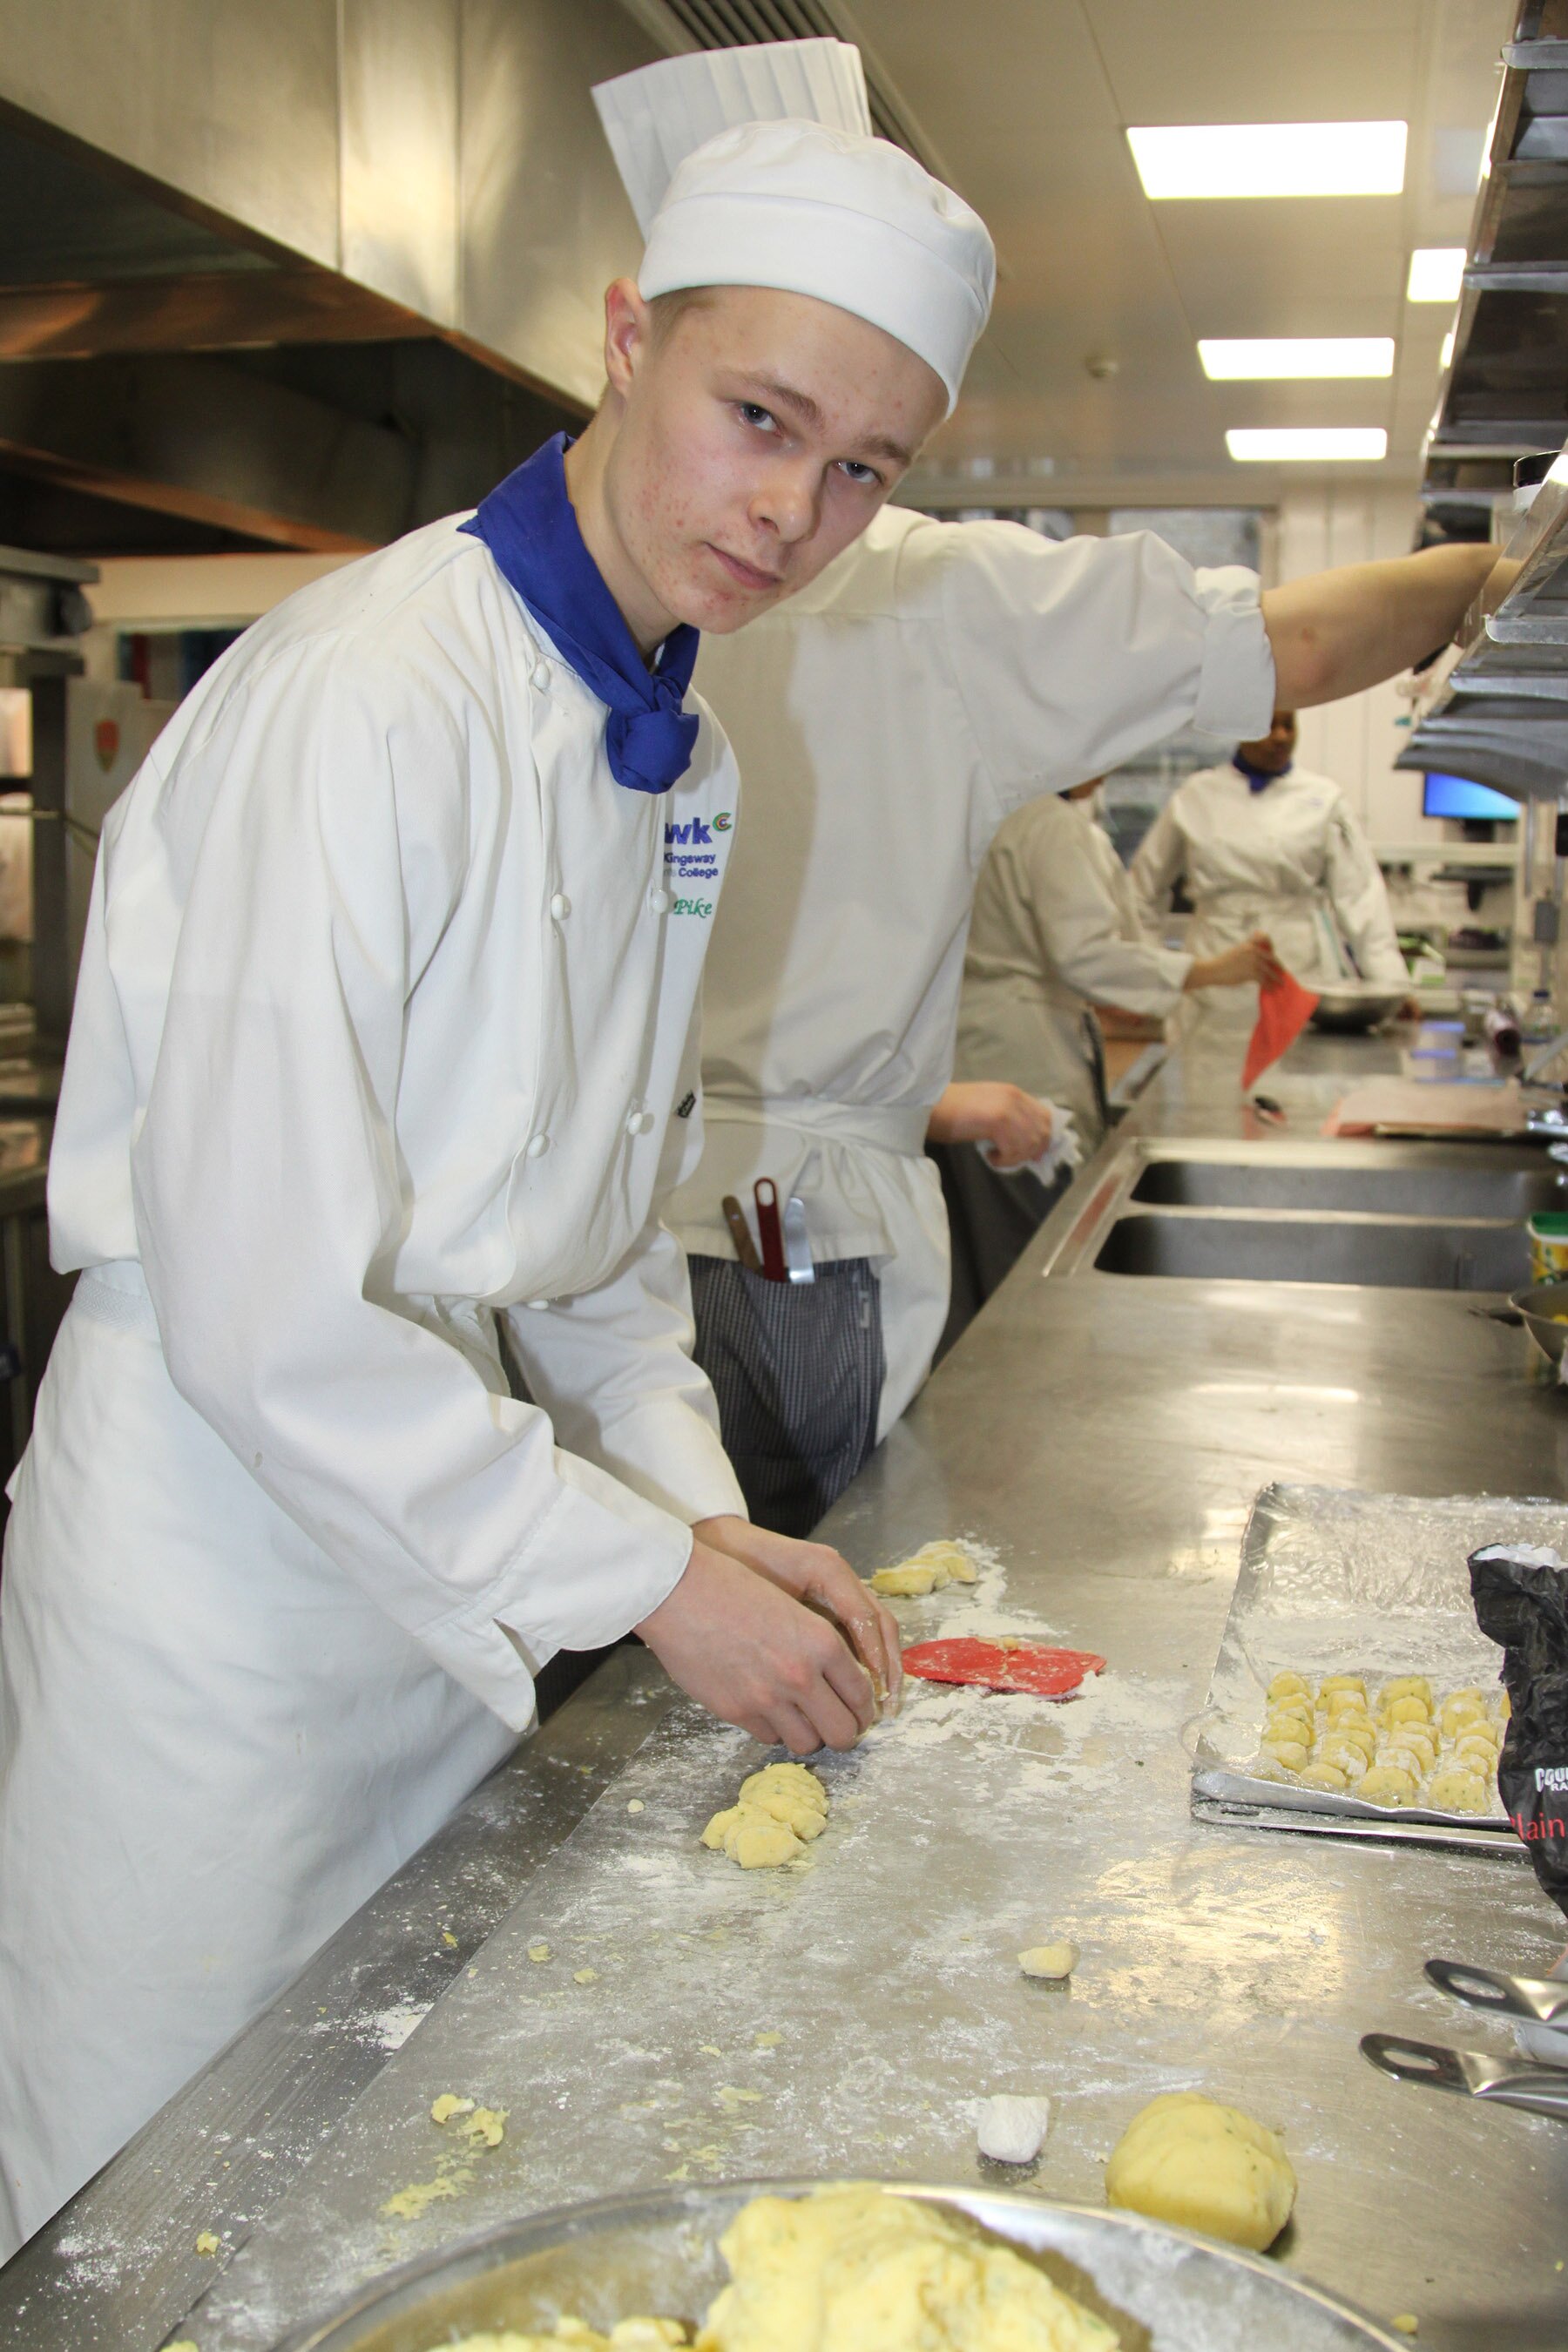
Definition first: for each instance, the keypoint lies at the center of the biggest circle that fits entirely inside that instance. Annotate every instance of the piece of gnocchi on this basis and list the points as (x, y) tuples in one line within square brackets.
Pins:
[(1387, 1784)]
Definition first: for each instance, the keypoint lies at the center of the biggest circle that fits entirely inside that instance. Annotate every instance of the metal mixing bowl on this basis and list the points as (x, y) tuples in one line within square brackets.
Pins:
[(1537, 1308), (1352, 1008), (1160, 2289)]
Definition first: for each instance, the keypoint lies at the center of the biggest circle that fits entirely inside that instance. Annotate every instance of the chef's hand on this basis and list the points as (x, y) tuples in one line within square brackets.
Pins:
[(823, 1580), (1254, 960), (753, 1655), (1016, 1125)]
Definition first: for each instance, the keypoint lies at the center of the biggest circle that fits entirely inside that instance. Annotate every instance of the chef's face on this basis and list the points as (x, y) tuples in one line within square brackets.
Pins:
[(1273, 752), (758, 432)]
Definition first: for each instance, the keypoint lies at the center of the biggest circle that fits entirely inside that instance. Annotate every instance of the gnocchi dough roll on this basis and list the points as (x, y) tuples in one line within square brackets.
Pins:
[(1288, 1686)]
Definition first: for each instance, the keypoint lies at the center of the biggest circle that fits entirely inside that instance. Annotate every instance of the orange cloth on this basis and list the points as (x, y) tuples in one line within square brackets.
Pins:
[(1283, 1011)]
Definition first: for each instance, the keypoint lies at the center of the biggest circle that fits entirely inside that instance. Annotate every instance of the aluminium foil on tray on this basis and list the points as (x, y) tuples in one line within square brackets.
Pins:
[(1335, 1581)]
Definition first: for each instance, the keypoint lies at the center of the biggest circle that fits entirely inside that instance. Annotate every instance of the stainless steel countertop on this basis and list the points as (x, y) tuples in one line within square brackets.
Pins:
[(1105, 1434)]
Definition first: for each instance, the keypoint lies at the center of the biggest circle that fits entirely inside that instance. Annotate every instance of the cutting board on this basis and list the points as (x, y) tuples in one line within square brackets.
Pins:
[(1415, 1107)]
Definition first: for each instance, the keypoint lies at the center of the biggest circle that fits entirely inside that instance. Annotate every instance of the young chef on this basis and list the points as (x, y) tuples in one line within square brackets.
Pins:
[(1261, 845), (385, 1029), (934, 678), (1056, 932)]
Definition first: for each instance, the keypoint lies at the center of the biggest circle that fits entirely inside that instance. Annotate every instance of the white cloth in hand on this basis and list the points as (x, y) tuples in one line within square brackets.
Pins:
[(1064, 1151)]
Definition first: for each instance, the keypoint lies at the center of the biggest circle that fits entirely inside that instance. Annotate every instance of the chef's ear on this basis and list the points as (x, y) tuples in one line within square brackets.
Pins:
[(628, 333)]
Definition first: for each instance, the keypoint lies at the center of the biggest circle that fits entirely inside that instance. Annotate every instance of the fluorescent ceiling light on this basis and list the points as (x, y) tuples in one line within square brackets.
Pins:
[(1436, 272), (1270, 159), (1251, 359), (1289, 444)]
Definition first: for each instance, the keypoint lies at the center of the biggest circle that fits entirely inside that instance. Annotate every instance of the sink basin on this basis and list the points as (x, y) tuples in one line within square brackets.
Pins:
[(1477, 1185), (1397, 1255)]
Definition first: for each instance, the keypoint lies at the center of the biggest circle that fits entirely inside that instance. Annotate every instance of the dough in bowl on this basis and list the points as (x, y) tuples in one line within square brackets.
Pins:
[(1186, 2159), (852, 2266)]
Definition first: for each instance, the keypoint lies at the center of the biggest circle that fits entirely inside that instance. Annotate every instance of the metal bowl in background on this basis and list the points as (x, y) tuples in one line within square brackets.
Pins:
[(1351, 1009), (1160, 2289), (1537, 1309)]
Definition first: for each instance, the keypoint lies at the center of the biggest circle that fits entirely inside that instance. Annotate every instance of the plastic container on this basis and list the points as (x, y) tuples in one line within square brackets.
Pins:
[(1548, 1231)]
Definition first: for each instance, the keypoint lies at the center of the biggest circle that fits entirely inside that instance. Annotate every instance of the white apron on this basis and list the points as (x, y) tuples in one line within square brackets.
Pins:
[(886, 721)]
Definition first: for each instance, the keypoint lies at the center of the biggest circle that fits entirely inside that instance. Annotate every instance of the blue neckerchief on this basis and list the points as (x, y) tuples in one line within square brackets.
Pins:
[(528, 525), (1257, 781)]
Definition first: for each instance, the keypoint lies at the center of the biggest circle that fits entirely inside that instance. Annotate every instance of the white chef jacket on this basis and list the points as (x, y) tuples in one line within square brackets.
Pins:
[(886, 720), (1055, 929), (383, 1012), (384, 1028), (1291, 860)]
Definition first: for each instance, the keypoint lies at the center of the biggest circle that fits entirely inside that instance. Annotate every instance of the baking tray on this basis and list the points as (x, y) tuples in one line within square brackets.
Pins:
[(1336, 1582), (1163, 2289)]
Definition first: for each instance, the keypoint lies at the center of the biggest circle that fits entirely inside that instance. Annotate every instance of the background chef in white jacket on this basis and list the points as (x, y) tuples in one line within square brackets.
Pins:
[(937, 677), (1261, 845), (1055, 932), (384, 1032)]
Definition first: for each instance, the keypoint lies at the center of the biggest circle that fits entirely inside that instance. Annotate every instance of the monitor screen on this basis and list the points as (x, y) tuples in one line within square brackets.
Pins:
[(1456, 796)]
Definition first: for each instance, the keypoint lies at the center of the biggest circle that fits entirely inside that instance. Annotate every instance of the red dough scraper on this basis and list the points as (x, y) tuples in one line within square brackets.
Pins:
[(1003, 1665)]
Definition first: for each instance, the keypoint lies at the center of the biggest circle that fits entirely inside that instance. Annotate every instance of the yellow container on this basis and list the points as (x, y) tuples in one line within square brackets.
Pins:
[(1548, 1232)]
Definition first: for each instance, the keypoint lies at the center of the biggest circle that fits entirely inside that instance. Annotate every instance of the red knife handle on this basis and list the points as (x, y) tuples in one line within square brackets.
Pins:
[(765, 1194)]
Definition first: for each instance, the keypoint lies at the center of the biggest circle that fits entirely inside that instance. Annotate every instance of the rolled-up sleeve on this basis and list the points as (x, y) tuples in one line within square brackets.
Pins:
[(1071, 657), (269, 1203)]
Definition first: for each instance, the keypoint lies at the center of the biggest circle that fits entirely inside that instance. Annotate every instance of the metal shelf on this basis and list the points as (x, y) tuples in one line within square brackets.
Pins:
[(1506, 386)]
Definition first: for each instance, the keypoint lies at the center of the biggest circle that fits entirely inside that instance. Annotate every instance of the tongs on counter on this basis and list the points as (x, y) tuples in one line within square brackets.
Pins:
[(1473, 2073)]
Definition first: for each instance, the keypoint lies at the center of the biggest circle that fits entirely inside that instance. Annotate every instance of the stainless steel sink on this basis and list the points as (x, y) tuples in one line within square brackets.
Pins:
[(1474, 1182), (1396, 1255)]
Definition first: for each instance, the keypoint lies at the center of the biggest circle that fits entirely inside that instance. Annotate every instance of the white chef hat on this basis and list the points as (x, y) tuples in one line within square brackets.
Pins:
[(756, 166)]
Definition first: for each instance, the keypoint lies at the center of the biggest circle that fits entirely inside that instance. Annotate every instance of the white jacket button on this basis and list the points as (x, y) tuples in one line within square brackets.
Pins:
[(537, 1304), (538, 1145), (539, 676), (561, 905), (639, 1122), (659, 900)]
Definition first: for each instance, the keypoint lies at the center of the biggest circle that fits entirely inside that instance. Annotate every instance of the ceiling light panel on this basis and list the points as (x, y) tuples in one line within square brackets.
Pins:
[(1437, 274), (1260, 358), (1290, 444), (1269, 159)]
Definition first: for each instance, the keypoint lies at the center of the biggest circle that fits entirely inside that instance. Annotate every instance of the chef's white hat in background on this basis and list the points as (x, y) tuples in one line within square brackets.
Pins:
[(756, 166)]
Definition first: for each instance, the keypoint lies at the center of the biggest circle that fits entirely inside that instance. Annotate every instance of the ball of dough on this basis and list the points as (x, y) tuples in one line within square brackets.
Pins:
[(1344, 1702), (788, 1793), (1291, 1753), (1189, 2160), (1411, 1739), (1332, 1682), (1052, 1961), (1407, 1708), (851, 2266), (1327, 1775), (781, 1808), (1406, 1686), (1462, 1709), (1345, 1755), (907, 1583), (1012, 2130), (1478, 1750), (1290, 1726), (1359, 1736), (1458, 1792), (1387, 1784), (1288, 1686)]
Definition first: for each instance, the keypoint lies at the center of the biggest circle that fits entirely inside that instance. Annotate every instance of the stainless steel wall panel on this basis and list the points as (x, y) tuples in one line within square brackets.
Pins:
[(235, 105), (545, 225), (399, 152)]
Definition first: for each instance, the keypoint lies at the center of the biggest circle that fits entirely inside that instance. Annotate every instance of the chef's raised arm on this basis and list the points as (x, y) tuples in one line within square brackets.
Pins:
[(1070, 658), (1336, 632), (272, 1208)]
